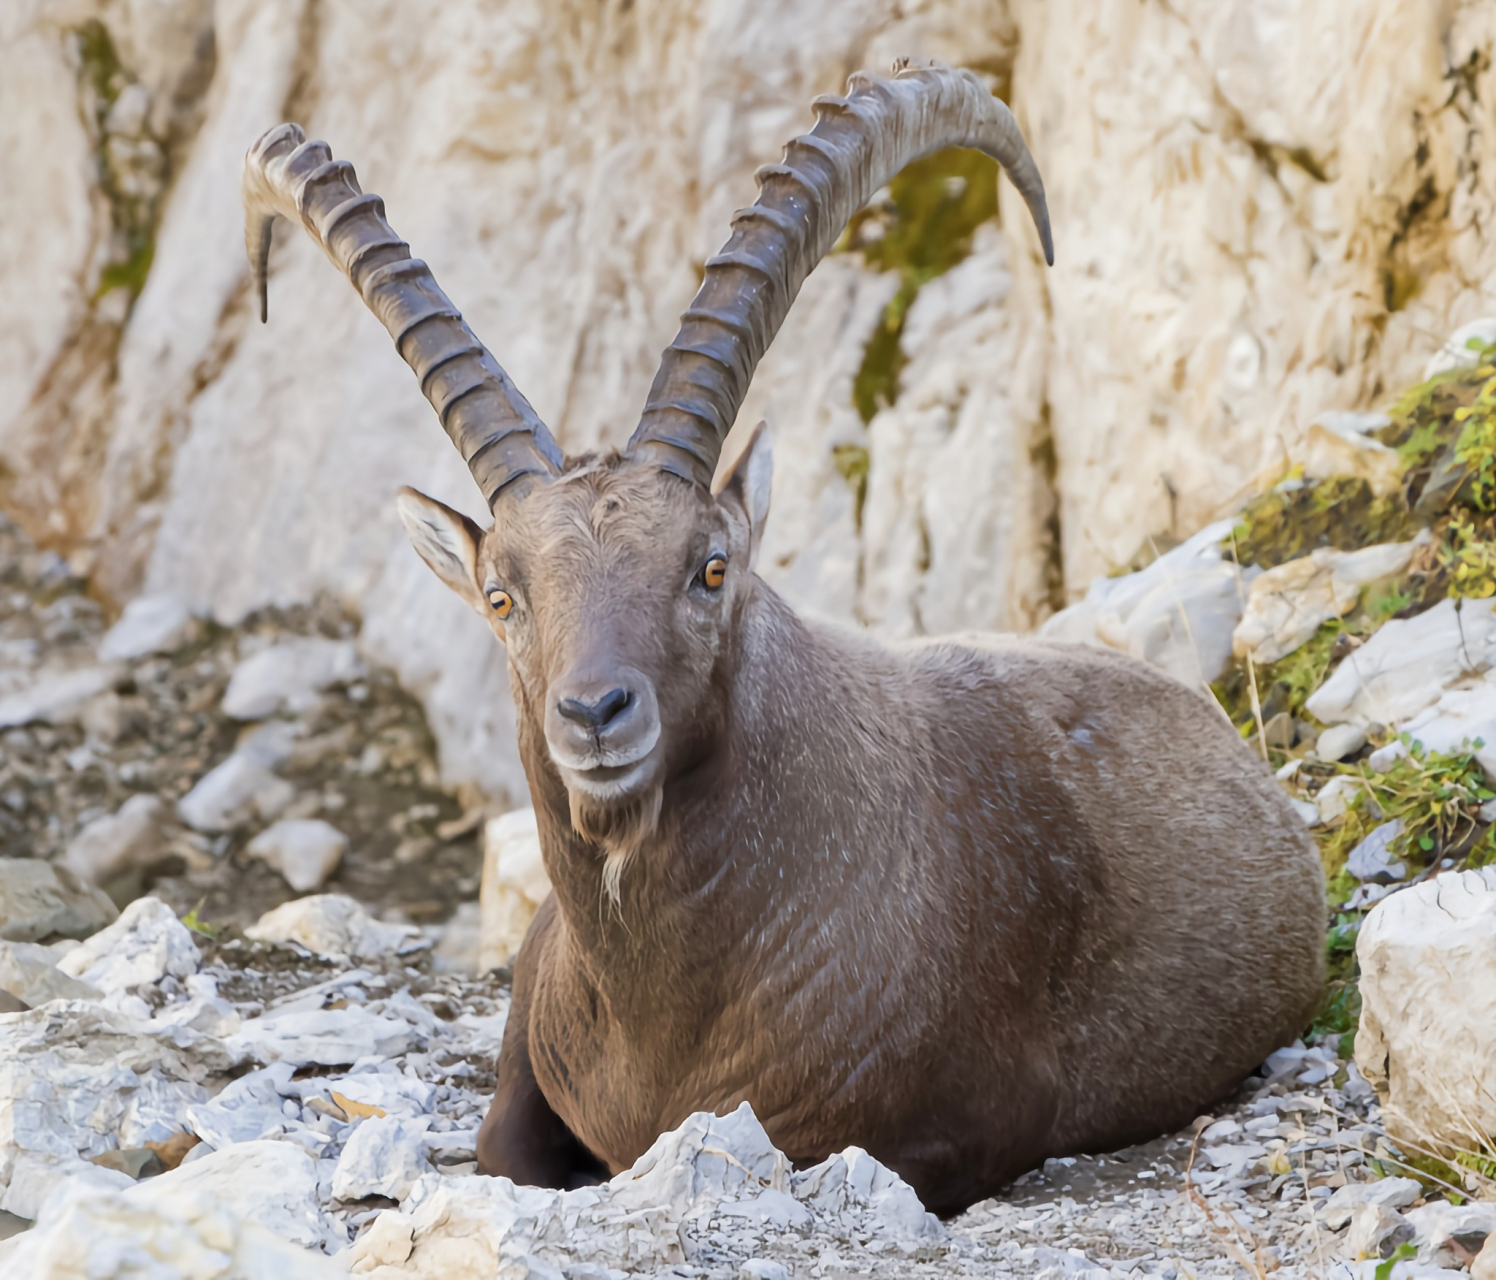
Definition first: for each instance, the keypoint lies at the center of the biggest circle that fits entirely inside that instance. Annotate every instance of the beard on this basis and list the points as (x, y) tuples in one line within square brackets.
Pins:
[(620, 828)]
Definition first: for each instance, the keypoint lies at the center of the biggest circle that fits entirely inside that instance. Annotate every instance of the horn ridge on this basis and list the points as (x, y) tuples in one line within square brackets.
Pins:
[(493, 426), (859, 143)]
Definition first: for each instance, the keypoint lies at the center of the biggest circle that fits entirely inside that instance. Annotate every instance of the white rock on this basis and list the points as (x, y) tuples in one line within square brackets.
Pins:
[(289, 675), (321, 1037), (1337, 795), (1383, 758), (1375, 1231), (130, 837), (383, 1156), (56, 698), (1179, 613), (1456, 352), (30, 973), (1463, 717), (40, 898), (514, 885), (1337, 445), (145, 944), (1447, 1234), (35, 1179), (232, 793), (331, 924), (1339, 741), (273, 1184), (304, 850), (1372, 860), (149, 625), (1427, 1040), (1407, 665), (712, 1167), (192, 1236), (1395, 1193)]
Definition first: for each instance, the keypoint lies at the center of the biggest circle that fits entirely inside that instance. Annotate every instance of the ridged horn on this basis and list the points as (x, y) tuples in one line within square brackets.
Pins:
[(860, 142), (493, 426)]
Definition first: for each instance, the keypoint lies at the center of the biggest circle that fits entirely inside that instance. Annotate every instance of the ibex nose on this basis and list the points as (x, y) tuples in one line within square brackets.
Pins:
[(598, 715)]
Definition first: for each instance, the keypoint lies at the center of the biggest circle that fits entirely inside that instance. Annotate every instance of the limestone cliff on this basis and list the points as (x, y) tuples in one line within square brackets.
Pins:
[(1263, 209)]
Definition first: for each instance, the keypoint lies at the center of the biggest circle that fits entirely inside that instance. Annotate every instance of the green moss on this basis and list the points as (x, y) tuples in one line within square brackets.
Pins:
[(1299, 516), (852, 461), (102, 78), (922, 231)]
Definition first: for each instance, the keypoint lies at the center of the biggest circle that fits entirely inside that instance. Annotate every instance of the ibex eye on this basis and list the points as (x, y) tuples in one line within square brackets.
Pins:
[(715, 573), (502, 601)]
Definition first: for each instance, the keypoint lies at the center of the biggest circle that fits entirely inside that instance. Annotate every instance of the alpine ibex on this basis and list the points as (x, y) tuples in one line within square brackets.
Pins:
[(966, 903)]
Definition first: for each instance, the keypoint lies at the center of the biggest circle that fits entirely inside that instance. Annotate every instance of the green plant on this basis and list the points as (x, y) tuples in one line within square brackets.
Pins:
[(1402, 1253), (1298, 516), (1467, 552)]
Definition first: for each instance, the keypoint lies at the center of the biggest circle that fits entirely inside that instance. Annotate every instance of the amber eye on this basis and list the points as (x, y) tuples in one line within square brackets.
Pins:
[(715, 572), (501, 600)]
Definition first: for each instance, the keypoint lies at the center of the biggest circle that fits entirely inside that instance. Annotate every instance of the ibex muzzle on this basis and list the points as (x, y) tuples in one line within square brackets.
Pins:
[(967, 903)]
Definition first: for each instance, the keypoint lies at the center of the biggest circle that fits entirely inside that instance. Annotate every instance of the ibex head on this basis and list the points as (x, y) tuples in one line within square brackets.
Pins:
[(617, 582)]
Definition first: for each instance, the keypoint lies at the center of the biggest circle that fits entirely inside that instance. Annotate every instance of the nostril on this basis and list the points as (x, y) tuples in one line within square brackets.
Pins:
[(611, 705), (596, 715)]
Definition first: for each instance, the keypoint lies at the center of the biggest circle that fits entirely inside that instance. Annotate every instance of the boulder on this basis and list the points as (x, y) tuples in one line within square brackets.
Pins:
[(149, 625), (1408, 664), (331, 924), (1339, 741), (304, 850), (1179, 613), (1339, 444), (1372, 860), (1427, 1040), (130, 837), (38, 899), (144, 945), (1394, 1193), (1452, 1235), (1463, 719), (514, 885), (289, 675), (30, 973), (234, 792), (1286, 605)]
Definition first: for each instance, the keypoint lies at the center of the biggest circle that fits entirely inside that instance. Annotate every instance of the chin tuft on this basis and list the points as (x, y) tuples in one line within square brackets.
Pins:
[(621, 828)]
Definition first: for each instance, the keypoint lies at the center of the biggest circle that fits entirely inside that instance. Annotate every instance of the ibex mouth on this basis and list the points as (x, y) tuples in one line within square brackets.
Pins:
[(609, 782)]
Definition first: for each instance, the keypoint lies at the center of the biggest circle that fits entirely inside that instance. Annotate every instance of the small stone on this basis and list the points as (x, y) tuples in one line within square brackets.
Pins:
[(149, 625), (1456, 352), (132, 837), (289, 675), (1376, 1231), (762, 1269), (56, 698), (1395, 1193), (38, 899), (233, 793), (383, 1156), (330, 924), (29, 972), (1279, 731), (1372, 860), (1334, 798), (513, 887), (1383, 758), (304, 850), (1339, 741), (144, 945)]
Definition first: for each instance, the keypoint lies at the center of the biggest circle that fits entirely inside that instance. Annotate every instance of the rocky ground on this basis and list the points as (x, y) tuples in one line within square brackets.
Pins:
[(281, 1049)]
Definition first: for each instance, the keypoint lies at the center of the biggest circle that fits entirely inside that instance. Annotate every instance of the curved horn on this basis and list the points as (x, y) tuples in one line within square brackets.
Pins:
[(492, 425), (859, 143)]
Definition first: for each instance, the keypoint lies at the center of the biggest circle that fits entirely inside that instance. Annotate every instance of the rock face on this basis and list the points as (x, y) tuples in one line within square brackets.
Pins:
[(1304, 228), (1428, 1023)]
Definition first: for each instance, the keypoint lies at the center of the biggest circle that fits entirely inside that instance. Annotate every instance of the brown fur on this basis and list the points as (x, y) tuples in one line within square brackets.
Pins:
[(967, 903)]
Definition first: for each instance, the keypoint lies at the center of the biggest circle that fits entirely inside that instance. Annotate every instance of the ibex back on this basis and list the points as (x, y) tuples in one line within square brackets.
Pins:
[(966, 903)]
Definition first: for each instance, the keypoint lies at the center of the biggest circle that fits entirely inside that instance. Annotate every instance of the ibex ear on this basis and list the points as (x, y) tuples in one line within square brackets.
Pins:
[(446, 540), (749, 478)]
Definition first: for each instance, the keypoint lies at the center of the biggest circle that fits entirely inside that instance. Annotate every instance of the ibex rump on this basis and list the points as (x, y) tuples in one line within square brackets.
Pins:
[(966, 903)]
